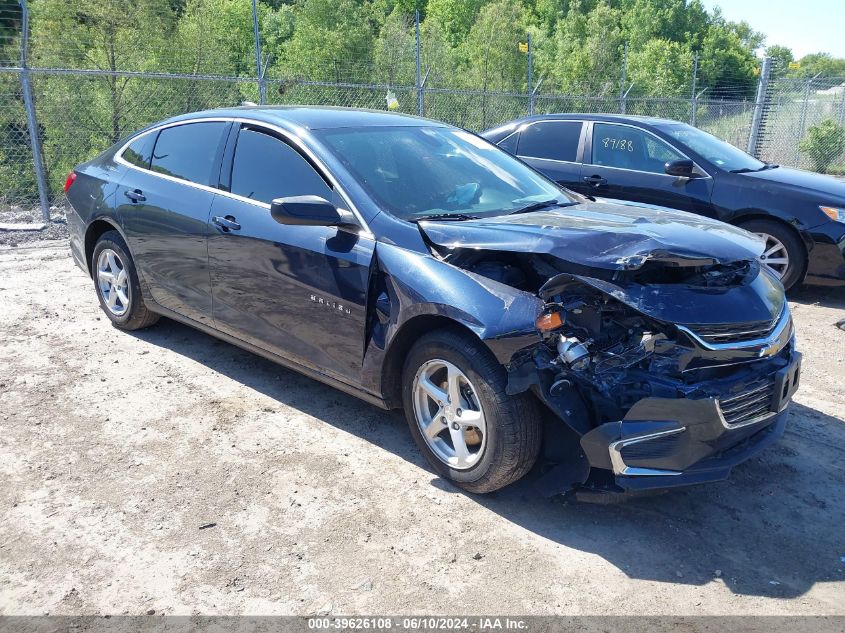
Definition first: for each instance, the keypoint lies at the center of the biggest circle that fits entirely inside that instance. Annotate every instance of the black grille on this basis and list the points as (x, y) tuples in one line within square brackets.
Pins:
[(749, 405), (733, 332), (657, 448)]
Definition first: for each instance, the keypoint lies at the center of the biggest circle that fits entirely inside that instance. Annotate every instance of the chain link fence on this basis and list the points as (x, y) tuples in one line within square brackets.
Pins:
[(68, 108), (804, 124)]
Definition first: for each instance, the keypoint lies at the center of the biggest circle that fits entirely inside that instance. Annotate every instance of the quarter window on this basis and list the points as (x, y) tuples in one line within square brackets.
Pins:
[(140, 151), (265, 168), (557, 140), (630, 148), (509, 143), (189, 151)]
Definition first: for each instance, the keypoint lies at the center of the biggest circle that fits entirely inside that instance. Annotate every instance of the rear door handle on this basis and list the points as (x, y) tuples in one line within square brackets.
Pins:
[(135, 196), (227, 223), (595, 181)]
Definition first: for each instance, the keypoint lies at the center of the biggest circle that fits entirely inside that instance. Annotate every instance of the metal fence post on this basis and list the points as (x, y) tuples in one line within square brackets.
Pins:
[(420, 98), (262, 84), (31, 120), (693, 96), (803, 124), (530, 77), (623, 94), (842, 110), (759, 104)]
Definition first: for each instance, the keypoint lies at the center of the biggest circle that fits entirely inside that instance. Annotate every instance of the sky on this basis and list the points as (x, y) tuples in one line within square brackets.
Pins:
[(809, 26)]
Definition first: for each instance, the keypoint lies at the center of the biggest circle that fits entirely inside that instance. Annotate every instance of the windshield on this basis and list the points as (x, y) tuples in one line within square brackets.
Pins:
[(421, 172), (713, 149)]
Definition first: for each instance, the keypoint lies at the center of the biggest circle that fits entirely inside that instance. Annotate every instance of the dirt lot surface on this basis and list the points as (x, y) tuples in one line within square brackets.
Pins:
[(171, 472)]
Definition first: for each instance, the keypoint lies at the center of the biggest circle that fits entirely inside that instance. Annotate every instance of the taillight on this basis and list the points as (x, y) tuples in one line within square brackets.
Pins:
[(71, 177)]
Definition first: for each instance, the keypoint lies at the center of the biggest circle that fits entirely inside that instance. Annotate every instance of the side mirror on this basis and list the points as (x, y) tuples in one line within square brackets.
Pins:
[(309, 211), (683, 168)]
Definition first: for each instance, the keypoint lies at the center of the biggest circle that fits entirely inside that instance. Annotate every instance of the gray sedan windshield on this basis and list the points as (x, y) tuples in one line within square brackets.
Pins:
[(416, 172)]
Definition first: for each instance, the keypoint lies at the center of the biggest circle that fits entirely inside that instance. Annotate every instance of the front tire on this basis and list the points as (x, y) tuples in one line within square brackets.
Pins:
[(785, 255), (117, 284), (467, 427)]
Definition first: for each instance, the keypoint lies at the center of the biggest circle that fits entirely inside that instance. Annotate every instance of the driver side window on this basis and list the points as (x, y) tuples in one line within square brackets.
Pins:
[(630, 148), (265, 167)]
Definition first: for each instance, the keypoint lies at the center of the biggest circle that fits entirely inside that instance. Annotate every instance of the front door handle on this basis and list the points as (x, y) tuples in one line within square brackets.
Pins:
[(226, 224), (595, 181), (135, 195)]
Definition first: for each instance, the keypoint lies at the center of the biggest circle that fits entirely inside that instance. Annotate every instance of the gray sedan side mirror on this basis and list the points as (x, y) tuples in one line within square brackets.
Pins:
[(309, 211)]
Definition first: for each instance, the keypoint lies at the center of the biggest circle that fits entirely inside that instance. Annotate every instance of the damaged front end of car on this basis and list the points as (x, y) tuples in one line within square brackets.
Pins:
[(663, 367)]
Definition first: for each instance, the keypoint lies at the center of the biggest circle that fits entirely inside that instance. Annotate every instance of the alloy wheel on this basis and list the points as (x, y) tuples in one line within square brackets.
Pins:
[(449, 415), (775, 257), (113, 282)]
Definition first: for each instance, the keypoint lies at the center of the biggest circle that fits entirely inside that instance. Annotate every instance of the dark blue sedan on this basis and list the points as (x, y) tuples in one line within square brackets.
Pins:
[(800, 214), (416, 265)]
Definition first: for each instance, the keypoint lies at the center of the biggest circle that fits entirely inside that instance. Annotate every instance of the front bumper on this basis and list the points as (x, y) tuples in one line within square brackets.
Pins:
[(826, 264), (670, 442)]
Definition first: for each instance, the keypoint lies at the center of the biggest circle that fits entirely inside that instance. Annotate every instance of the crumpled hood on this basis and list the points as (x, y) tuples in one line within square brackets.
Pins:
[(604, 235)]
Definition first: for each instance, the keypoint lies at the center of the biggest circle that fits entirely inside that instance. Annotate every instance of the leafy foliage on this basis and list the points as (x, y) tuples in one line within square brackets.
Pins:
[(824, 144), (578, 52), (822, 64)]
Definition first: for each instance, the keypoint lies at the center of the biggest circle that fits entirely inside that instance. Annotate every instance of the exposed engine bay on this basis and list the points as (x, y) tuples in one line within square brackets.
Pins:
[(606, 347)]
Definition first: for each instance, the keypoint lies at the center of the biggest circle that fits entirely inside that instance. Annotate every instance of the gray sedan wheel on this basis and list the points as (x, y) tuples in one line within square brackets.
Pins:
[(468, 428), (113, 282), (117, 284), (449, 415)]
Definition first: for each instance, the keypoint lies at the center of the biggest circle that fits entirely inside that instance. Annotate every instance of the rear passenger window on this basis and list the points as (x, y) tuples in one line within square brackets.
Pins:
[(140, 151), (265, 168), (557, 140), (189, 151)]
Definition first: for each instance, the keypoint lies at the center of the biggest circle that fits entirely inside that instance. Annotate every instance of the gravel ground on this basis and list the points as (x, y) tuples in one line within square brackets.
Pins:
[(166, 471), (12, 220)]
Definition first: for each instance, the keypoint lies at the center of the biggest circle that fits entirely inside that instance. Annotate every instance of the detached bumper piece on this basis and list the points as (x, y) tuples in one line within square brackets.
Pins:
[(670, 442)]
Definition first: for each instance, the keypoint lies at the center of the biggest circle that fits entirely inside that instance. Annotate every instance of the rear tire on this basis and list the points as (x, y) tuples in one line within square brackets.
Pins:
[(781, 243), (117, 284), (497, 437)]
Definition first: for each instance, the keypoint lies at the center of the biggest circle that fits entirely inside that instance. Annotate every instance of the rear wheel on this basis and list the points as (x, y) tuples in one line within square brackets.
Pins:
[(117, 284), (467, 427), (784, 254)]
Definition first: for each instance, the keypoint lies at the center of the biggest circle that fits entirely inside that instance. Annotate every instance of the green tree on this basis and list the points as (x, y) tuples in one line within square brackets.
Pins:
[(439, 60), (455, 17), (395, 50), (332, 40), (587, 56), (81, 116), (661, 68), (781, 58), (728, 67), (823, 64), (671, 20), (492, 52), (492, 47), (215, 37)]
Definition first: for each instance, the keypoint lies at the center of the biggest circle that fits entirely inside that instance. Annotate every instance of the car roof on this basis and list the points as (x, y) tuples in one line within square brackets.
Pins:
[(314, 117), (579, 116)]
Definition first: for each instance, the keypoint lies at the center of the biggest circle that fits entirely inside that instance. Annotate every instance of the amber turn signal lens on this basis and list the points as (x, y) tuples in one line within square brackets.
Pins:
[(834, 213), (546, 322)]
